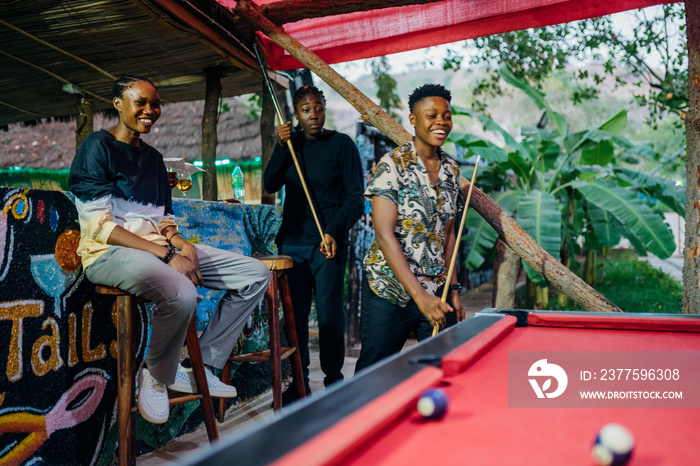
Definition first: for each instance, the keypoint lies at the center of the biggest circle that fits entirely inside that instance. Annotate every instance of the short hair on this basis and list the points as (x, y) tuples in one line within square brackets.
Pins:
[(428, 90), (307, 90), (125, 81)]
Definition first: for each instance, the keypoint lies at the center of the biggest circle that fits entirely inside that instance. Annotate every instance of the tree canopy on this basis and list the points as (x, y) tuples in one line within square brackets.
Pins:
[(646, 48)]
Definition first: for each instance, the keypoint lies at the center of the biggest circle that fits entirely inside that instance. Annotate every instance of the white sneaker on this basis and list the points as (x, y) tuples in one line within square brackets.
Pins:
[(185, 383), (153, 398)]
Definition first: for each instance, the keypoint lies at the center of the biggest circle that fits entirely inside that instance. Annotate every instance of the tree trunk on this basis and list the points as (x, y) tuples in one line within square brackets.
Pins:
[(541, 297), (506, 276), (530, 294), (507, 228), (590, 268), (691, 268), (210, 189)]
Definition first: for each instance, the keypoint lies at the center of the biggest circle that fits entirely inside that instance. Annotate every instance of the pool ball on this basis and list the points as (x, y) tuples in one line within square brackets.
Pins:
[(432, 404), (613, 445)]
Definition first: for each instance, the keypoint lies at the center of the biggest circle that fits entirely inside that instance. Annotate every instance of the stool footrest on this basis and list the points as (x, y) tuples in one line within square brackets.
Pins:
[(261, 356), (179, 399), (175, 398)]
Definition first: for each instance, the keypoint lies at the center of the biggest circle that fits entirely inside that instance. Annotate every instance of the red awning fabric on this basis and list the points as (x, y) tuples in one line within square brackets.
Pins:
[(367, 34)]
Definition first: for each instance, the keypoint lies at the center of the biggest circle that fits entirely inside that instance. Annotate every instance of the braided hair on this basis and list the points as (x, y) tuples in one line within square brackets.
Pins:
[(125, 81), (428, 90), (307, 90)]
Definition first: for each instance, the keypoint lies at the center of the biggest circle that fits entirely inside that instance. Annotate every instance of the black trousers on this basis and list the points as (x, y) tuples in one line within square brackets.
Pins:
[(386, 326), (314, 276)]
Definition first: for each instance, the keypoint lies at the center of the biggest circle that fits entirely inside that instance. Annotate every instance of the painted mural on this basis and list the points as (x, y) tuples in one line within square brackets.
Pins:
[(57, 338)]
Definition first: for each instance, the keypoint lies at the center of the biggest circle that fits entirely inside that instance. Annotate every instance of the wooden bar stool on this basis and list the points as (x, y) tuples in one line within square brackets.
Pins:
[(278, 266), (126, 358)]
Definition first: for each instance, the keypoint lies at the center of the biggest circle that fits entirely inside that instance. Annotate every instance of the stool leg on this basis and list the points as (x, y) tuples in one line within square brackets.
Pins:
[(273, 324), (201, 380), (125, 376), (292, 333), (225, 378)]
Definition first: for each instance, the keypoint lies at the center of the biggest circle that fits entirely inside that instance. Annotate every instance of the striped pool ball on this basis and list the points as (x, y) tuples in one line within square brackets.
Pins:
[(613, 445), (432, 404)]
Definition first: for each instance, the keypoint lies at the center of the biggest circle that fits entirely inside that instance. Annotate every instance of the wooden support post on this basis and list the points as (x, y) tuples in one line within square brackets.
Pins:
[(210, 139), (83, 123), (506, 271), (511, 233), (691, 267)]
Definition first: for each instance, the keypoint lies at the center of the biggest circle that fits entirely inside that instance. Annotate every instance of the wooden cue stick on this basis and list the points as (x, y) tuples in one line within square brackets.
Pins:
[(453, 259), (289, 145)]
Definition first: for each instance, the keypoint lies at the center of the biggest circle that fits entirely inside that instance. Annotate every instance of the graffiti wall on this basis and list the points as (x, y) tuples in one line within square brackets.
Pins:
[(57, 338)]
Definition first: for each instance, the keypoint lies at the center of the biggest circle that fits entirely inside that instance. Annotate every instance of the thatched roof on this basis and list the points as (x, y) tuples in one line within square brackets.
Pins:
[(178, 133), (47, 44)]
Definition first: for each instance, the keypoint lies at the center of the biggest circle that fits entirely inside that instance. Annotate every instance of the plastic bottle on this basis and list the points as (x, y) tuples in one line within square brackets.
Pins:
[(238, 184)]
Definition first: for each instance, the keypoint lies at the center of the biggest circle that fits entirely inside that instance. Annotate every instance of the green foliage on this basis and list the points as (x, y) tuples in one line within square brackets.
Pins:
[(566, 186), (389, 100), (636, 286), (253, 106), (650, 53)]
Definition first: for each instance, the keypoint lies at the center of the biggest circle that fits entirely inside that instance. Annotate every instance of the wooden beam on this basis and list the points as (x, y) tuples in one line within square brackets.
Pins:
[(213, 39), (511, 233), (281, 13)]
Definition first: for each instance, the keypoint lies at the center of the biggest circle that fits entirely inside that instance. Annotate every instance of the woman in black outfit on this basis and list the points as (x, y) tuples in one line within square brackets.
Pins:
[(330, 164)]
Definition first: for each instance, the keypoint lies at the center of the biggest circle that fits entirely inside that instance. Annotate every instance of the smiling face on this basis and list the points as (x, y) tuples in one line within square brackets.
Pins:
[(311, 113), (432, 119), (139, 109)]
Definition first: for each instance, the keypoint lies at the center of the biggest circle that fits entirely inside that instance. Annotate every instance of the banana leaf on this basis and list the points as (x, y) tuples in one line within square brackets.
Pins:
[(539, 215), (633, 214), (664, 190), (490, 125), (480, 235), (602, 223)]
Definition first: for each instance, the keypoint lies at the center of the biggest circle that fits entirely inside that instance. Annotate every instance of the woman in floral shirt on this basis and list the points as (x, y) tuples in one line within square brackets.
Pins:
[(414, 192)]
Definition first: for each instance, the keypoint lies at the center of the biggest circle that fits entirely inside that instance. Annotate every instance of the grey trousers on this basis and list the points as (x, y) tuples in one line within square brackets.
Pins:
[(175, 297)]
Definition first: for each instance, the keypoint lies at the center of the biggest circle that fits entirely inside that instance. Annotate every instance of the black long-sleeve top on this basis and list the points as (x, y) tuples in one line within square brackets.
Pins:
[(333, 174)]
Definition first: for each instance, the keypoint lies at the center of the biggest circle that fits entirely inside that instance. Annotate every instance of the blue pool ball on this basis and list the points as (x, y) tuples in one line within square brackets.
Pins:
[(613, 445), (432, 404)]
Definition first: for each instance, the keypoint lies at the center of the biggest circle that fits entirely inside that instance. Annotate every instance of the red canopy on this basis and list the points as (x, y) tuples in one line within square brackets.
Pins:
[(375, 33)]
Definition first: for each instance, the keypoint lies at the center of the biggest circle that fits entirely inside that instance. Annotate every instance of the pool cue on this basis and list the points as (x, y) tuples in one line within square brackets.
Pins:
[(289, 145), (453, 259)]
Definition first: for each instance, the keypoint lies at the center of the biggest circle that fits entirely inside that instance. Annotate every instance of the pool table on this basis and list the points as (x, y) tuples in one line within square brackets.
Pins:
[(372, 418)]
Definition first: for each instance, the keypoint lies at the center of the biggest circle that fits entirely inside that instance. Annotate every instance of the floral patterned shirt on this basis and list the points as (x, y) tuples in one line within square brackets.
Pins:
[(423, 212)]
